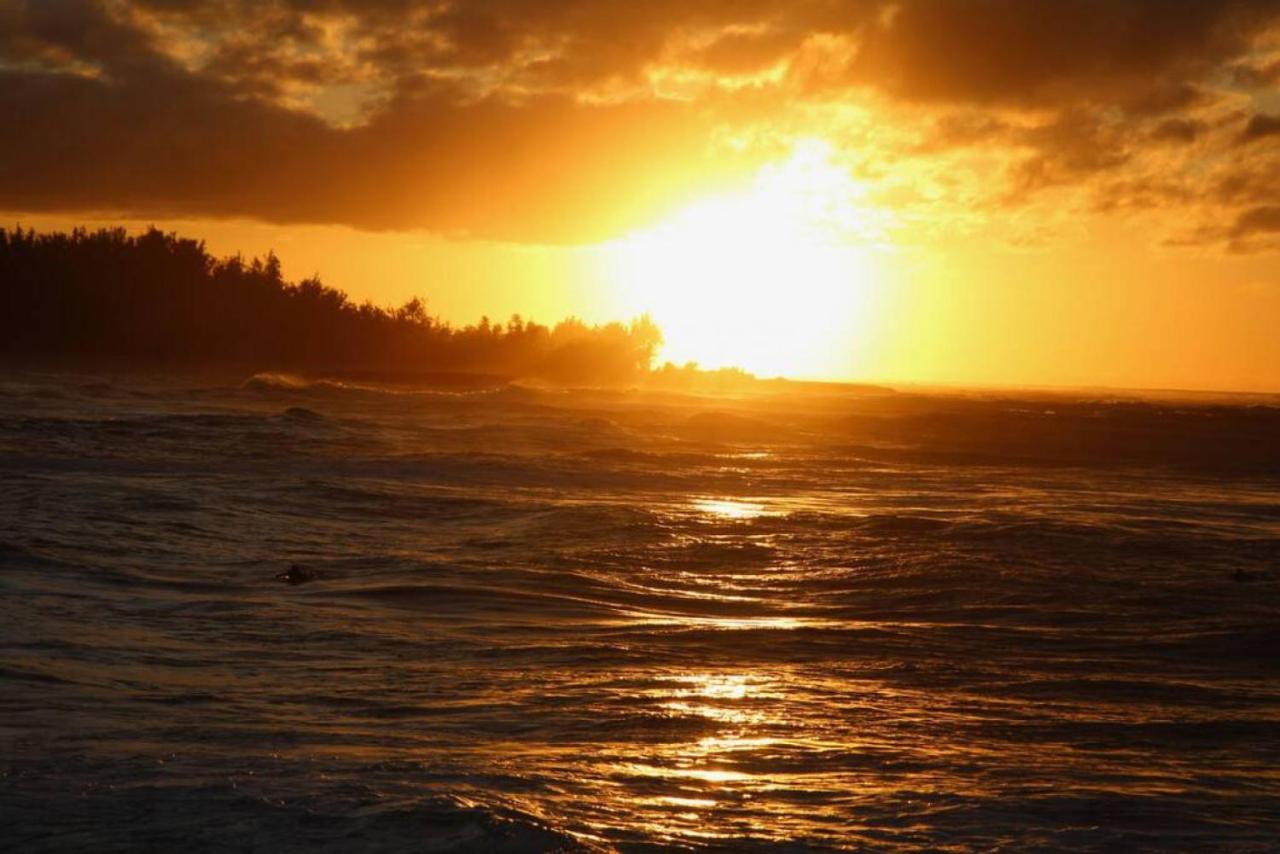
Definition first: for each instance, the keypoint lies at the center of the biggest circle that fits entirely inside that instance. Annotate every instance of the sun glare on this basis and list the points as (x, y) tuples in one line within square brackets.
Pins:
[(776, 279)]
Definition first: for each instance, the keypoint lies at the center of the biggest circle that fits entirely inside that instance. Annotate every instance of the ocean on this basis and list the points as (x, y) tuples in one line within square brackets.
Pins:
[(792, 618)]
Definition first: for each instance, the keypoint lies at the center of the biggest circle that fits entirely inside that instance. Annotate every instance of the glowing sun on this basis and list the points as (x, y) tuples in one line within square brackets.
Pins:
[(774, 279)]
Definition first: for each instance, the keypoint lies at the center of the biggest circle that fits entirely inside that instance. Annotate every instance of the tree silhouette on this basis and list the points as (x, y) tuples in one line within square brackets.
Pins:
[(160, 297)]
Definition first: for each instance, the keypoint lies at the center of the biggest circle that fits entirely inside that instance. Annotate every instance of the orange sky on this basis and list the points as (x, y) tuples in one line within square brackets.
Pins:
[(993, 192)]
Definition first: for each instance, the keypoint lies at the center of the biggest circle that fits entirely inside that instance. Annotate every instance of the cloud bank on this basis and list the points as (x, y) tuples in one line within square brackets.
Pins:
[(574, 121)]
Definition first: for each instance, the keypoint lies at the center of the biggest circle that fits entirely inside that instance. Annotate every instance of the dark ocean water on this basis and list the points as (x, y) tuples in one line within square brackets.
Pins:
[(587, 620)]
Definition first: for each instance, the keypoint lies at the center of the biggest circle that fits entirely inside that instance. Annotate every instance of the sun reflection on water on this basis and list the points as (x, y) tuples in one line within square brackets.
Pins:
[(734, 687), (734, 702), (733, 736), (729, 508), (729, 623)]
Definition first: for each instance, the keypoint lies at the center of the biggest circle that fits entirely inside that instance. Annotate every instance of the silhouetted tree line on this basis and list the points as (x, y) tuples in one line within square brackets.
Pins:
[(157, 296)]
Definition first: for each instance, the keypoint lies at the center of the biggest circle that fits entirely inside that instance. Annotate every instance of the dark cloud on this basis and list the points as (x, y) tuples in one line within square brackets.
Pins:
[(1077, 145), (76, 33), (1247, 181), (1143, 192), (537, 120), (1255, 75), (1262, 219), (146, 136), (963, 129), (1015, 51), (536, 171), (1255, 228), (1260, 126), (1178, 130)]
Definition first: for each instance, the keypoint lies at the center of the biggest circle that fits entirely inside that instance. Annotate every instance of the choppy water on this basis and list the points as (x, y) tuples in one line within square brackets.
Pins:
[(617, 620)]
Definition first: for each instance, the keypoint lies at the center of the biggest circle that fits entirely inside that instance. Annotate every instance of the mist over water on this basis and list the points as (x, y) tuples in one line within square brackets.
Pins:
[(562, 620)]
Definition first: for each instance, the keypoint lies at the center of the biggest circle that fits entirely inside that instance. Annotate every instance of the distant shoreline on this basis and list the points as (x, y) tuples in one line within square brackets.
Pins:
[(695, 380)]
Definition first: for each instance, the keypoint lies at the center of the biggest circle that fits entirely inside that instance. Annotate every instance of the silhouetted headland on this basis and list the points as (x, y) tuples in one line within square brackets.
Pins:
[(157, 297)]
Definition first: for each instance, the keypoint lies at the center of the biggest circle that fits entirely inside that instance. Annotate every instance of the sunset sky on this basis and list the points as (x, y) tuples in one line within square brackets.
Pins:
[(988, 192)]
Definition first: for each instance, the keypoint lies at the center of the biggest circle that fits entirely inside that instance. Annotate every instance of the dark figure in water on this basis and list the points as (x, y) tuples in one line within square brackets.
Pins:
[(1242, 575), (298, 574)]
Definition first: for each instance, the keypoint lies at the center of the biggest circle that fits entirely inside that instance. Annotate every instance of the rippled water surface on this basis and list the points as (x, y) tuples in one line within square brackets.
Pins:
[(547, 620)]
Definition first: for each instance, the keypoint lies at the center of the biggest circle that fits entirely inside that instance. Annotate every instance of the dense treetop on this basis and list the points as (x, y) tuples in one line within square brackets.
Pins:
[(160, 297)]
